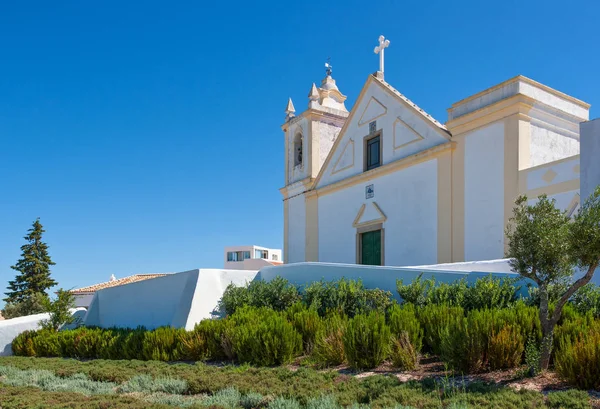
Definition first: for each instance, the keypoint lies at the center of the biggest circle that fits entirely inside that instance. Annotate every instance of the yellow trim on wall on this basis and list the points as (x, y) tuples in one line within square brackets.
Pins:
[(458, 200), (311, 251), (286, 218), (388, 168), (551, 190), (512, 142), (444, 208)]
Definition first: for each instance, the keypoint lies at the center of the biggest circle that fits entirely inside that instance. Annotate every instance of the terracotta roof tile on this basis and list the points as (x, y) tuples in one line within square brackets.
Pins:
[(115, 283)]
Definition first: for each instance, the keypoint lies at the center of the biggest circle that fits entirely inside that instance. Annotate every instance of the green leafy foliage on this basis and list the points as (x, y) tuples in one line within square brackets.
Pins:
[(262, 336), (22, 345), (587, 300), (435, 320), (277, 294), (367, 341), (403, 354), (403, 319), (60, 310), (546, 246), (329, 342), (33, 304), (163, 344), (486, 292), (484, 339), (349, 297), (308, 323), (33, 269), (577, 359), (505, 349)]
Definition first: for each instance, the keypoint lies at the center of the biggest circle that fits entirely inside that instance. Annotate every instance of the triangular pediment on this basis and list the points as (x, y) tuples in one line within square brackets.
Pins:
[(404, 130), (346, 159), (372, 111), (369, 213)]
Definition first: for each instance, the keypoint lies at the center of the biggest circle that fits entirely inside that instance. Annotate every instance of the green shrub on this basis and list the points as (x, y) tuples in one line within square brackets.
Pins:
[(367, 341), (329, 342), (587, 300), (464, 341), (22, 345), (505, 348), (214, 332), (308, 323), (404, 355), (416, 292), (277, 294), (522, 316), (162, 344), (486, 292), (404, 319), (194, 346), (349, 297), (532, 357), (435, 320), (133, 342), (483, 339), (46, 344), (262, 336), (87, 343), (490, 292), (578, 360)]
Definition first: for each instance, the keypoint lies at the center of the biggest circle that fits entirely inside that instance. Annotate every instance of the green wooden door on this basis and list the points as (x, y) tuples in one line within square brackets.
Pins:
[(371, 248)]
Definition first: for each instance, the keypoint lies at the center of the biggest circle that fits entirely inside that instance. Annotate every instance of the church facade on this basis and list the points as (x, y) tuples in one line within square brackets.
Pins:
[(387, 184)]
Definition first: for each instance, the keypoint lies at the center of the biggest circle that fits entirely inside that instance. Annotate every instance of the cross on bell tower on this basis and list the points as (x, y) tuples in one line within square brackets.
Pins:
[(383, 44)]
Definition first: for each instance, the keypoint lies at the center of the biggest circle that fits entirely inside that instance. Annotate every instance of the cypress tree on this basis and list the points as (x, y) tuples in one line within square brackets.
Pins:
[(33, 268)]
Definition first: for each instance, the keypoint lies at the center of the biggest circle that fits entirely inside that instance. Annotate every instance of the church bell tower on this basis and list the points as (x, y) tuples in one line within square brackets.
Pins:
[(308, 139)]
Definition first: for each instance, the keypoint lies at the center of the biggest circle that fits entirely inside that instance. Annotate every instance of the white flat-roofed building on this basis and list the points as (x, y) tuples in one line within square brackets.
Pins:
[(250, 257)]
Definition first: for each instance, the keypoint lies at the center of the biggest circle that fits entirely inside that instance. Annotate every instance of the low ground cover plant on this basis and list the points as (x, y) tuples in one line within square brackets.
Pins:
[(159, 385)]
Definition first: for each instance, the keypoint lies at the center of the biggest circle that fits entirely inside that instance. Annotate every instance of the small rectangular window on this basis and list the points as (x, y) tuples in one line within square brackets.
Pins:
[(246, 255), (275, 257), (230, 256), (372, 152)]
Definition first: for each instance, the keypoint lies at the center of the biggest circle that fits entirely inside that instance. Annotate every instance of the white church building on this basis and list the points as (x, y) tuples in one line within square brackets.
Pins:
[(387, 184)]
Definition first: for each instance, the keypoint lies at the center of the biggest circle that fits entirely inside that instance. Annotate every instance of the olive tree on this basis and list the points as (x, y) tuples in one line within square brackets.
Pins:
[(548, 247)]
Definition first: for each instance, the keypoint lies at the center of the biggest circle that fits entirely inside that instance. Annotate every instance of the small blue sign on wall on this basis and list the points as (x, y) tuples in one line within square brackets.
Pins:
[(369, 192)]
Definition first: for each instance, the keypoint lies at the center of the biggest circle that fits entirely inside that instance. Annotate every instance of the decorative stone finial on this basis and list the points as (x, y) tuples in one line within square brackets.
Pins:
[(289, 110), (313, 95), (112, 277), (383, 44)]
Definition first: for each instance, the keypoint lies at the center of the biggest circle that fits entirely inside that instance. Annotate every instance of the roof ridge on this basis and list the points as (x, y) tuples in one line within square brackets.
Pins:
[(407, 100)]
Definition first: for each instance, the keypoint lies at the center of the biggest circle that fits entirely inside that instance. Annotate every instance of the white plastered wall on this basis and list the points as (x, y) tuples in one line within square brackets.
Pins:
[(407, 197), (484, 193), (548, 145)]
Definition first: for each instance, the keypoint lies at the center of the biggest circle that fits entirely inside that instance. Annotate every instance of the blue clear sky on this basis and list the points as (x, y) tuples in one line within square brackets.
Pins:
[(146, 135)]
